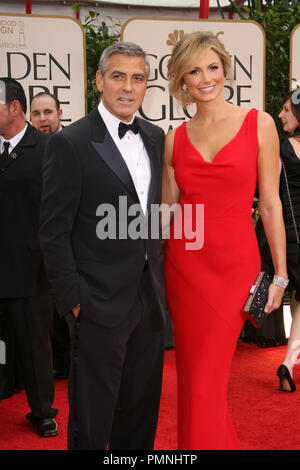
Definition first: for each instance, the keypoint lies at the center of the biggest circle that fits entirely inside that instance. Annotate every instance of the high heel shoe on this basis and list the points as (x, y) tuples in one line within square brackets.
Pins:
[(284, 374)]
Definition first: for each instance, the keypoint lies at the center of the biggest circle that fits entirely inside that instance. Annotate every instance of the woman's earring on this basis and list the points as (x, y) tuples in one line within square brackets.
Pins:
[(185, 88)]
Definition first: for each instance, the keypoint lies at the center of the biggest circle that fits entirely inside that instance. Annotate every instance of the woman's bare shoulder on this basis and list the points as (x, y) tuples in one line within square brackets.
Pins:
[(265, 119), (170, 134)]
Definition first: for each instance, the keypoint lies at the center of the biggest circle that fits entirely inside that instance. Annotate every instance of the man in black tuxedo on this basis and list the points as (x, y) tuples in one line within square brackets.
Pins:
[(109, 288), (25, 304)]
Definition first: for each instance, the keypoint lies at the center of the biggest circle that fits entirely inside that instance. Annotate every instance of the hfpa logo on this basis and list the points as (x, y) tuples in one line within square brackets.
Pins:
[(2, 353), (296, 96)]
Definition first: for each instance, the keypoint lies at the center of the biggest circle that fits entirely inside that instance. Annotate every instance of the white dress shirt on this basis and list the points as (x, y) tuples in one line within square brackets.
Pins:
[(133, 151), (13, 141)]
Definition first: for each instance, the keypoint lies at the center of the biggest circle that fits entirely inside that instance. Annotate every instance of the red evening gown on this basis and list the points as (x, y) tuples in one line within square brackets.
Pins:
[(208, 287)]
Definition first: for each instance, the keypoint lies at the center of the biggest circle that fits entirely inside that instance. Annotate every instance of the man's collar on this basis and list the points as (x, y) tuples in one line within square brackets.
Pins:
[(16, 139)]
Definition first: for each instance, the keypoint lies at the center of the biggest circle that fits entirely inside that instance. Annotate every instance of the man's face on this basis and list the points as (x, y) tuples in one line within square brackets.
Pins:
[(44, 116), (123, 85), (6, 119)]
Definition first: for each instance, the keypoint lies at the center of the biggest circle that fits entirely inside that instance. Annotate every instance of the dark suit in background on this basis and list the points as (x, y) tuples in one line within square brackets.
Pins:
[(25, 303), (45, 116)]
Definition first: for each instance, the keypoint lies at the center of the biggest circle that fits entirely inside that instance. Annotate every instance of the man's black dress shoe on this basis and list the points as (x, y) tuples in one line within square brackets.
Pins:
[(60, 375), (45, 427)]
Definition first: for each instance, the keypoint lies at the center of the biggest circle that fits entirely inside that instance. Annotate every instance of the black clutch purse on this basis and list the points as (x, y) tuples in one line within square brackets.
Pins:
[(258, 297)]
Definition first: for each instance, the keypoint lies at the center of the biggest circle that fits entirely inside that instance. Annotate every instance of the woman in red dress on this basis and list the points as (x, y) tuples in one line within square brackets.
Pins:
[(213, 162)]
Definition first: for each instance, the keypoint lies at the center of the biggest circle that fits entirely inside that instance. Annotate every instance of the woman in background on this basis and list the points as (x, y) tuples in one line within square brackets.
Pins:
[(290, 157)]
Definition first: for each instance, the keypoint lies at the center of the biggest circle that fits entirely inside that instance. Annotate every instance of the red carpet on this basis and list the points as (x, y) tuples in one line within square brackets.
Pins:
[(265, 419)]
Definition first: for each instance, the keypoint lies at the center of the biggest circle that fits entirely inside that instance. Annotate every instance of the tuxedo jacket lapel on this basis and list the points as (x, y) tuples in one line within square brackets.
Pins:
[(106, 148), (104, 145), (150, 144)]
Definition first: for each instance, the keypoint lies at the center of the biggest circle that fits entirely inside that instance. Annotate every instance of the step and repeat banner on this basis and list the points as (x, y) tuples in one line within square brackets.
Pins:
[(295, 58), (46, 53), (157, 36)]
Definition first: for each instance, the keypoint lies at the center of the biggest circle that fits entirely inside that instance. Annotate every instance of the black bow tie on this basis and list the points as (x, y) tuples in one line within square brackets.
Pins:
[(123, 128)]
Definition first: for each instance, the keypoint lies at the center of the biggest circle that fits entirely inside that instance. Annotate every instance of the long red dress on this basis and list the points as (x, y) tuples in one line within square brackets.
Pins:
[(208, 287)]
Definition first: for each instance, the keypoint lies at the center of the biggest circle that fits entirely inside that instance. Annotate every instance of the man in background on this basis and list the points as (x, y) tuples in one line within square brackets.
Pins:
[(46, 113), (26, 312)]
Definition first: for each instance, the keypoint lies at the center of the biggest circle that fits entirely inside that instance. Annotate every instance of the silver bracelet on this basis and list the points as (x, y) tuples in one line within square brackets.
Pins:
[(280, 281)]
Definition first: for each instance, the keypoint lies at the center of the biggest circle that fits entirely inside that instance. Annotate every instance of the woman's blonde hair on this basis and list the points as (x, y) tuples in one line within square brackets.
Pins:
[(184, 53)]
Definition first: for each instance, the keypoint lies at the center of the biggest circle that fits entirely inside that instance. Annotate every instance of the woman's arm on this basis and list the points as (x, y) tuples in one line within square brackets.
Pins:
[(269, 202), (170, 190)]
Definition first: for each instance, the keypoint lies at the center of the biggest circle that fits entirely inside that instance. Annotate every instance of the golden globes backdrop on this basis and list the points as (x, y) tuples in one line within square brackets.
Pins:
[(46, 53), (295, 58), (244, 40)]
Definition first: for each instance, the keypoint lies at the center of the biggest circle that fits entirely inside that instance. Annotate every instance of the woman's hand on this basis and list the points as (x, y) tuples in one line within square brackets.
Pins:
[(274, 298)]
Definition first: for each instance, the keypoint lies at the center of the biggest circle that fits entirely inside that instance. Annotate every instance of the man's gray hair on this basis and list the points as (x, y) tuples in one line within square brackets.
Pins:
[(125, 48)]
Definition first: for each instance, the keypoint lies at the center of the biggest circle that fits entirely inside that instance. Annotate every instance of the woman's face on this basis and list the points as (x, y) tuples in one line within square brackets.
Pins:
[(205, 80), (288, 119)]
